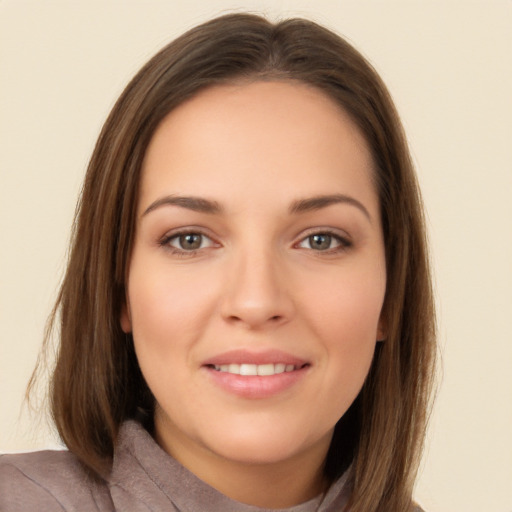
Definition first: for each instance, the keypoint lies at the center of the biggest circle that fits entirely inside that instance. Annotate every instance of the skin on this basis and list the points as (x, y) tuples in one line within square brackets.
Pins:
[(256, 282)]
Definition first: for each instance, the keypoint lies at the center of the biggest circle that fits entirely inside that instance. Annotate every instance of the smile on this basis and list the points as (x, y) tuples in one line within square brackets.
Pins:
[(246, 369), (256, 374)]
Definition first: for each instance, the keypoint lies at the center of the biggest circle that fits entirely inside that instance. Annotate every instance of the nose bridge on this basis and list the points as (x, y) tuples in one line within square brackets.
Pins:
[(256, 294)]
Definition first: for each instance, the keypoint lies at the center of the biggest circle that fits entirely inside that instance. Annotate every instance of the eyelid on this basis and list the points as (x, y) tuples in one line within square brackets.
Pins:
[(204, 240), (343, 238), (164, 241)]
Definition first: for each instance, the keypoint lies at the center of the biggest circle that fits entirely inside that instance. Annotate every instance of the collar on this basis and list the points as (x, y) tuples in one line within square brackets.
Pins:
[(145, 477)]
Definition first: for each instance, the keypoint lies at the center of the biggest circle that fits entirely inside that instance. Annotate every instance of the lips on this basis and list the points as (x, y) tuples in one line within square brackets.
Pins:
[(248, 357), (255, 374)]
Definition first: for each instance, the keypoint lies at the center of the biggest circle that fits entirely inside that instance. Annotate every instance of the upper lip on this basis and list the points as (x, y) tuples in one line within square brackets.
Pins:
[(242, 356)]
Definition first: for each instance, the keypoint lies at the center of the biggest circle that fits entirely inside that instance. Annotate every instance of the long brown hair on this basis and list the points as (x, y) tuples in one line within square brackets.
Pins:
[(97, 383)]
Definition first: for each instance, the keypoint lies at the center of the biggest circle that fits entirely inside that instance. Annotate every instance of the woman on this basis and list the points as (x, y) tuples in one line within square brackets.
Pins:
[(246, 321)]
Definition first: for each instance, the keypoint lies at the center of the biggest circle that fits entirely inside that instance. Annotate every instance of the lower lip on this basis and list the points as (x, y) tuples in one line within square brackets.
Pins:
[(256, 386)]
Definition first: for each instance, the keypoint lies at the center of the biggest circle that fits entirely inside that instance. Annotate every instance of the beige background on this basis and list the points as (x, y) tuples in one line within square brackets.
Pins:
[(449, 67)]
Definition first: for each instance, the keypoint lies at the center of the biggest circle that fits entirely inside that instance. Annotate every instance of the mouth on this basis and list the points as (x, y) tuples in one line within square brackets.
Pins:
[(256, 375), (262, 370)]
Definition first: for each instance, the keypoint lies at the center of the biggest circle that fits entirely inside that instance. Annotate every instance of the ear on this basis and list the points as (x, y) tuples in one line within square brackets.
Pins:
[(125, 318)]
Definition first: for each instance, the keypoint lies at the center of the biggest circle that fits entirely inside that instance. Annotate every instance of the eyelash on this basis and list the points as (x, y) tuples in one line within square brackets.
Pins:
[(165, 242), (343, 243)]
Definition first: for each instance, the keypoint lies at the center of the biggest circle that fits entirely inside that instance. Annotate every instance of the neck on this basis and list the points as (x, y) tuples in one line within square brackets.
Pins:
[(265, 485), (280, 484)]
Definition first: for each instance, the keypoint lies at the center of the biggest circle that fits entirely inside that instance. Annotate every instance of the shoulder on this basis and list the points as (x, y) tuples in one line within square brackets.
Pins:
[(48, 481)]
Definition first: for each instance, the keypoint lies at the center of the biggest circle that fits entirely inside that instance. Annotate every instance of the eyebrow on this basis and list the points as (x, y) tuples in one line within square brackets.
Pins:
[(319, 202), (202, 205), (197, 204)]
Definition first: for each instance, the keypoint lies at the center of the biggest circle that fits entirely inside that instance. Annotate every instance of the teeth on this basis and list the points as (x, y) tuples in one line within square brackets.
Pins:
[(266, 369), (248, 369), (233, 368), (255, 369), (279, 368)]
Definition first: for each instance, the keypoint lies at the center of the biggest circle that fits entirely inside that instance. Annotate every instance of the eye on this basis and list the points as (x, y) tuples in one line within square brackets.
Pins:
[(324, 242), (188, 242)]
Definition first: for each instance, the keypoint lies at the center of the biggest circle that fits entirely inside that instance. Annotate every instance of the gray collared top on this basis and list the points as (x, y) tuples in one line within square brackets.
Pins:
[(143, 478)]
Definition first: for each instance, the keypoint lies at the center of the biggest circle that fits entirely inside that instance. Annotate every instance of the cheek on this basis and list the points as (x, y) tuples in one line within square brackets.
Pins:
[(345, 314), (168, 315), (170, 311), (348, 307), (167, 306)]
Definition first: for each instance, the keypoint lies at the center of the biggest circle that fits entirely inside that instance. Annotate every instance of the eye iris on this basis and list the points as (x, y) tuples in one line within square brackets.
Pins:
[(320, 242), (190, 241)]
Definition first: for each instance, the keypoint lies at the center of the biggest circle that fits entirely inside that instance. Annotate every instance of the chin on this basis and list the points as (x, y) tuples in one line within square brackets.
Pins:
[(263, 446)]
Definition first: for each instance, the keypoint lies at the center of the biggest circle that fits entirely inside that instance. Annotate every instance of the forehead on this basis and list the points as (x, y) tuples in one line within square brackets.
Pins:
[(257, 135)]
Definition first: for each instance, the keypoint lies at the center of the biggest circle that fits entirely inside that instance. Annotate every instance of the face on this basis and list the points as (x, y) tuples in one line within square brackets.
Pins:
[(257, 276)]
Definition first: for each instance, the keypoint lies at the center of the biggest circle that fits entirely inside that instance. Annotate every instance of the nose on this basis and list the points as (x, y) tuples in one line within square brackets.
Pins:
[(257, 293)]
